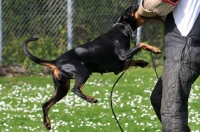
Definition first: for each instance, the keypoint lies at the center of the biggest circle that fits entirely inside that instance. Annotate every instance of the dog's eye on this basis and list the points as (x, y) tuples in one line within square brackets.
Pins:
[(125, 16)]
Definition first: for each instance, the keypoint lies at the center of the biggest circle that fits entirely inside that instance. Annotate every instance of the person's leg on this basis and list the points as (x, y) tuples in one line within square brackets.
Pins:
[(156, 96), (179, 72)]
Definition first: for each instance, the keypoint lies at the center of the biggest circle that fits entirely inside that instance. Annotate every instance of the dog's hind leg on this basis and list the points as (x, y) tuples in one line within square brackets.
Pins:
[(81, 76), (61, 90)]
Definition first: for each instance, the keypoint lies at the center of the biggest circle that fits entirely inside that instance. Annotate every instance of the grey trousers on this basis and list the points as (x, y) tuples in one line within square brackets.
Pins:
[(181, 68)]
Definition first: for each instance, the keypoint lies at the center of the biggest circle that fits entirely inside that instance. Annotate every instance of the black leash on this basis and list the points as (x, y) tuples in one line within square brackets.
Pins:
[(154, 66), (111, 104), (132, 36), (111, 93)]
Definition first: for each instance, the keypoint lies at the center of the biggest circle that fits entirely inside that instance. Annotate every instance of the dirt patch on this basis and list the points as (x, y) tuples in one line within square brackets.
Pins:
[(13, 70)]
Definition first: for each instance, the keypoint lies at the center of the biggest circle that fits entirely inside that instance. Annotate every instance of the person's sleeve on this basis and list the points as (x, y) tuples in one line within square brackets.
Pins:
[(152, 8)]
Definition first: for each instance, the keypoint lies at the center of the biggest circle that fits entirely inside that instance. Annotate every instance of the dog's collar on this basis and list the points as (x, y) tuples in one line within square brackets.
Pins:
[(129, 29)]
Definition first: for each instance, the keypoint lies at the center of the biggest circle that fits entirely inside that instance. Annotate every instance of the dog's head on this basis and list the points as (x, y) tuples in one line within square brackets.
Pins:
[(129, 16)]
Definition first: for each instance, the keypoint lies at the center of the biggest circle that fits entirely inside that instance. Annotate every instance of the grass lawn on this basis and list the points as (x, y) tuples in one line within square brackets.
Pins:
[(22, 97)]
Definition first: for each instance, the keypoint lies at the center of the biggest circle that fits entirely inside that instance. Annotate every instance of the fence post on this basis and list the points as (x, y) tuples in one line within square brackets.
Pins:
[(138, 37), (1, 42), (69, 24)]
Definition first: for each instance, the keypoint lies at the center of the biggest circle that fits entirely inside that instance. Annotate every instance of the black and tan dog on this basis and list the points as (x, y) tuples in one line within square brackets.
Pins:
[(110, 52)]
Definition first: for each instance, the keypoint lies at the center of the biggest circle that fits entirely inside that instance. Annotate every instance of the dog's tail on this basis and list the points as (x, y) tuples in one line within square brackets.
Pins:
[(50, 64)]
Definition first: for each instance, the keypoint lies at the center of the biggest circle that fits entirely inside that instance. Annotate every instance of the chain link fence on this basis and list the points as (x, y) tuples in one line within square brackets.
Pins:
[(61, 25)]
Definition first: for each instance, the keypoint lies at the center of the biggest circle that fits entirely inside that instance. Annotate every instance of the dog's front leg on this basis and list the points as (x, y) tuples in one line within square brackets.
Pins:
[(130, 63), (126, 54), (150, 48)]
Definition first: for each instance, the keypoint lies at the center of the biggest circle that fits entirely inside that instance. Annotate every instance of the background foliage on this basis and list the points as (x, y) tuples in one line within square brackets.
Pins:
[(47, 20)]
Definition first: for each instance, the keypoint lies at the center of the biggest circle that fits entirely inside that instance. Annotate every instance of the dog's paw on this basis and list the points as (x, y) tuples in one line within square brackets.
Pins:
[(92, 100), (156, 50), (48, 126), (149, 48)]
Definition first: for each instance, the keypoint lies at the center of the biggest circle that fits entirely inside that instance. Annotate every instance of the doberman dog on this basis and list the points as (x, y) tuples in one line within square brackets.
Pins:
[(110, 52)]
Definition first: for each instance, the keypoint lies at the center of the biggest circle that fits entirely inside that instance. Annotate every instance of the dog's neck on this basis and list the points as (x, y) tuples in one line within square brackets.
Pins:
[(129, 29)]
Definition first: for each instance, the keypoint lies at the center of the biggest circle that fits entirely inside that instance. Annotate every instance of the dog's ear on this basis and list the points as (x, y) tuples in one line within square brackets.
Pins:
[(127, 14), (122, 18)]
